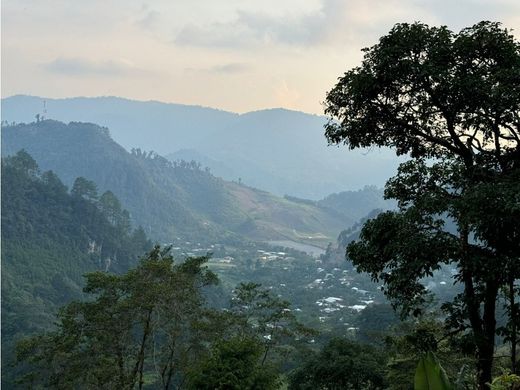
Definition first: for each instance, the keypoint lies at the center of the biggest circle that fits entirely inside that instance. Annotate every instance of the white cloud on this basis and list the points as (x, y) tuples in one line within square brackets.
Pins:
[(250, 28)]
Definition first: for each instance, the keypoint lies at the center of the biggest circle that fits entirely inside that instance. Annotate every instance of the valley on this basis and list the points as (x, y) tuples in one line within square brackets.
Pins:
[(260, 195)]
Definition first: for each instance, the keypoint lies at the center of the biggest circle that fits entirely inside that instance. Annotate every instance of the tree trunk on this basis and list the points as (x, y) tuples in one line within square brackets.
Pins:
[(139, 364), (121, 366), (167, 371), (486, 343), (143, 345), (513, 323), (483, 327)]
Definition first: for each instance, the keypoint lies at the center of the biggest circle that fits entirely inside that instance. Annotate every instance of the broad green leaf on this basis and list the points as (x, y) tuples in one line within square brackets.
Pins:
[(430, 375)]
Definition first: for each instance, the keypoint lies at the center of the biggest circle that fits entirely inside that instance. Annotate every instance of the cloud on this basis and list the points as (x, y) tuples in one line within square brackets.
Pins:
[(229, 68), (338, 22), (233, 34), (334, 21), (84, 67), (255, 28), (150, 20)]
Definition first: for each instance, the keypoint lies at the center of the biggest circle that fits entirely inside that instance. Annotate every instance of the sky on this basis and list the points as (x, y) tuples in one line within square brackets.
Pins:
[(235, 55)]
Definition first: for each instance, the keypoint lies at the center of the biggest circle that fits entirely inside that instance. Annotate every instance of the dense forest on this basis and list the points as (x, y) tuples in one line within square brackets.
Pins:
[(79, 231), (50, 237)]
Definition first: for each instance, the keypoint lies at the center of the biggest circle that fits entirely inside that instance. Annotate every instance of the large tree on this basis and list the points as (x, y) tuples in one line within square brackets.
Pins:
[(341, 364), (450, 101), (139, 330)]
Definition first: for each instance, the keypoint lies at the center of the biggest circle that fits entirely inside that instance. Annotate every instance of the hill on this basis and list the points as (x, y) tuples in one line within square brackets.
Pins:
[(50, 238), (171, 199), (278, 150), (357, 204)]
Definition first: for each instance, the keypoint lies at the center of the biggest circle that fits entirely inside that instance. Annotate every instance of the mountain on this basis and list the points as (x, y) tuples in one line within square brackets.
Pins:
[(171, 199), (357, 204), (150, 125), (50, 238), (278, 150)]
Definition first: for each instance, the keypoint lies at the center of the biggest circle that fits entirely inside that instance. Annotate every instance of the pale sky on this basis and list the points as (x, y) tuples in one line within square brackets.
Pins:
[(236, 55)]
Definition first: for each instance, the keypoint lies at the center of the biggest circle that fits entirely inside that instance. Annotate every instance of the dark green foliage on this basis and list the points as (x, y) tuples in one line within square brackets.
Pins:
[(425, 90), (111, 207), (234, 364), (375, 321), (342, 364), (264, 317), (138, 329), (431, 93), (24, 163), (409, 341), (150, 328), (400, 249), (259, 317), (84, 188), (49, 240), (144, 182)]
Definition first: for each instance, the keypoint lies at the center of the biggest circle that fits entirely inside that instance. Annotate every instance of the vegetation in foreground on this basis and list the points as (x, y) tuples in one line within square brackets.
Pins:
[(452, 102)]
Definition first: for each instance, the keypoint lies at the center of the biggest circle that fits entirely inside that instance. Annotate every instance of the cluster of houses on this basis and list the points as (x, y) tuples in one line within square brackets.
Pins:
[(271, 256), (331, 304), (189, 249)]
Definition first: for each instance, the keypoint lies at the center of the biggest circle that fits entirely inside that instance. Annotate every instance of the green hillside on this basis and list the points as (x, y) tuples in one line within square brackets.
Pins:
[(50, 238), (171, 199)]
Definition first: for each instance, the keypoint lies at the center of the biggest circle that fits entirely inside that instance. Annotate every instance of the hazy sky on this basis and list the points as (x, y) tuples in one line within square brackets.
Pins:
[(237, 55)]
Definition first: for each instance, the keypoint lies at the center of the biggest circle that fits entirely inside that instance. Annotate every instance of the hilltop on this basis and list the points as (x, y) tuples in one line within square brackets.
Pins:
[(278, 150)]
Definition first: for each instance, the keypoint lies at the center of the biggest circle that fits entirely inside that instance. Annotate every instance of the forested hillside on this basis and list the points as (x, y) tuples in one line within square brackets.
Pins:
[(171, 199), (357, 204), (50, 238)]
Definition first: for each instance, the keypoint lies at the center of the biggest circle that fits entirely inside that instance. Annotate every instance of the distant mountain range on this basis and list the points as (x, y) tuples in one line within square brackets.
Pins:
[(277, 150), (178, 199)]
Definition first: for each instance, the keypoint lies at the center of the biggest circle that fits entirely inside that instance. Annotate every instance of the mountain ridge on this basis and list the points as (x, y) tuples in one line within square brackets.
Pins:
[(170, 198), (153, 101), (279, 150)]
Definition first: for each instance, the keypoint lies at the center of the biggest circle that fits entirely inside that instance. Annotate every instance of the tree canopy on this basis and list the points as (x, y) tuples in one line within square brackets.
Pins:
[(138, 329), (342, 364), (451, 101), (430, 92)]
